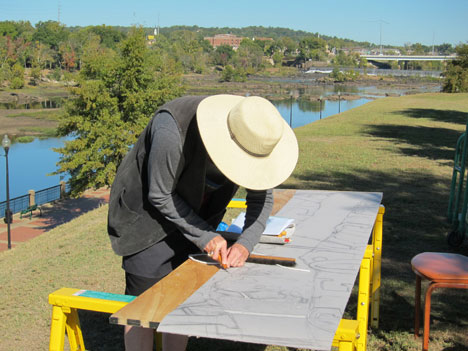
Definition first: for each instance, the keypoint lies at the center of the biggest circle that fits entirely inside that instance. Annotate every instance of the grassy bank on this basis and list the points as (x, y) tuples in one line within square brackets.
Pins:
[(402, 147)]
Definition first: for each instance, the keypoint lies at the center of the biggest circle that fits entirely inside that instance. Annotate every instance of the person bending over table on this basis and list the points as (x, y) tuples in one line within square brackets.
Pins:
[(172, 189)]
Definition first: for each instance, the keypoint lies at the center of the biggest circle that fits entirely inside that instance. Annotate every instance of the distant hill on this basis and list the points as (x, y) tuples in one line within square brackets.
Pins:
[(259, 31)]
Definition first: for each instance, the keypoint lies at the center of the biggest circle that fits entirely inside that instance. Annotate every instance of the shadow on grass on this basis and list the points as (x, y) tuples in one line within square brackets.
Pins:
[(99, 334), (427, 142), (450, 116), (64, 211), (203, 344)]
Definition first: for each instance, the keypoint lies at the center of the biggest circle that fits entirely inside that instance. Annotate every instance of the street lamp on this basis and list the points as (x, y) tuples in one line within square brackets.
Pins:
[(339, 101), (321, 98), (8, 215)]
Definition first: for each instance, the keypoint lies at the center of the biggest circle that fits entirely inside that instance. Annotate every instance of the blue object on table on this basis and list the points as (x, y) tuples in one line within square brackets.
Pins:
[(222, 227)]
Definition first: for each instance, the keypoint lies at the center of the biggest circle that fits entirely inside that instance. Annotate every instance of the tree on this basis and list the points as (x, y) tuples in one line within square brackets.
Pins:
[(16, 29), (346, 60), (115, 98), (419, 49), (312, 48), (444, 49), (456, 74), (110, 36), (17, 76), (222, 55), (249, 56), (50, 33), (188, 50), (287, 45), (41, 55)]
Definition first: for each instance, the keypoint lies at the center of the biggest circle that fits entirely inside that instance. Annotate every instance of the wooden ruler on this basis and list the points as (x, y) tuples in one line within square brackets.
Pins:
[(148, 309)]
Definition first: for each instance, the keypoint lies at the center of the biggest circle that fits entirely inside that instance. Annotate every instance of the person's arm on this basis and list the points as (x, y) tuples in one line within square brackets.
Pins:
[(259, 206), (165, 163)]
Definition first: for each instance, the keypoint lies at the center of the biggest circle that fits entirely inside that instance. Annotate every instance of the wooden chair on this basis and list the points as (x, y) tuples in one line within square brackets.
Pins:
[(442, 270)]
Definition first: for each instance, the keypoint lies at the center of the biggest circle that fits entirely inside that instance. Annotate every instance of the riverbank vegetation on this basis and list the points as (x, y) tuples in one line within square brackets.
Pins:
[(51, 52), (401, 146)]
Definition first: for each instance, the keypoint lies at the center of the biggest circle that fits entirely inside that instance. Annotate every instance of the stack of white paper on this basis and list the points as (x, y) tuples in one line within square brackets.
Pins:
[(278, 229)]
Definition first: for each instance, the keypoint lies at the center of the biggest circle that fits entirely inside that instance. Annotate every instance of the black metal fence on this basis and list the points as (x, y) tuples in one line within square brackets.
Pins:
[(17, 204), (43, 196), (48, 195)]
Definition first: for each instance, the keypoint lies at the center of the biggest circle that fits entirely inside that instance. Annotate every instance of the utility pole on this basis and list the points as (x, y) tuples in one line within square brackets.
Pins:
[(381, 21), (433, 35), (381, 48), (58, 13)]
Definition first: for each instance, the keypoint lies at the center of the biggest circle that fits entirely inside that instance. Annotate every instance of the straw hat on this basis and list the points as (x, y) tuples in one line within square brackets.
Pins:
[(248, 140)]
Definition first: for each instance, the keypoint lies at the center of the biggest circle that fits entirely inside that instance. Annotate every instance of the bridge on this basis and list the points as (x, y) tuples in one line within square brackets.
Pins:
[(407, 57)]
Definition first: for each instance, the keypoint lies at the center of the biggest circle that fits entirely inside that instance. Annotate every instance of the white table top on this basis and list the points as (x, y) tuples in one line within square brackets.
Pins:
[(274, 305)]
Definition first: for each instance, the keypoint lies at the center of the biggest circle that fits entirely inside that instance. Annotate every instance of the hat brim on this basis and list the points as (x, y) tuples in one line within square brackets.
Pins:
[(242, 168)]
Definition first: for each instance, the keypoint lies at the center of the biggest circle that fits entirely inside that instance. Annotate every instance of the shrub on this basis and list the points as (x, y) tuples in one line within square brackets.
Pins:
[(17, 76), (17, 83), (35, 75)]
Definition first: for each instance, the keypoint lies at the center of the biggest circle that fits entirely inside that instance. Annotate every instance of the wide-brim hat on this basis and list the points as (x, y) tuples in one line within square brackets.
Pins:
[(248, 140)]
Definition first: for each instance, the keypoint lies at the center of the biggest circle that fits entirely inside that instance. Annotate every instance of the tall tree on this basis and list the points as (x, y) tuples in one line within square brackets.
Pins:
[(312, 48), (456, 74), (115, 98), (51, 33)]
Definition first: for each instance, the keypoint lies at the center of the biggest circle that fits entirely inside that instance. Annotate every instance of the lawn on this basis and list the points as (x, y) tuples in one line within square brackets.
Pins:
[(401, 146)]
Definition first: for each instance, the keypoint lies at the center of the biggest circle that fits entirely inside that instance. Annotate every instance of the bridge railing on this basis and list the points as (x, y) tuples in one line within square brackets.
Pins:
[(379, 72)]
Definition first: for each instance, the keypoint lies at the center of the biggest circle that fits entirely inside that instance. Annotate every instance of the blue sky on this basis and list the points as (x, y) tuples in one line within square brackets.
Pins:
[(396, 21)]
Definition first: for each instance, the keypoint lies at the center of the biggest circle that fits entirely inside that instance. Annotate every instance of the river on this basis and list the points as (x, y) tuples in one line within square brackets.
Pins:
[(31, 164)]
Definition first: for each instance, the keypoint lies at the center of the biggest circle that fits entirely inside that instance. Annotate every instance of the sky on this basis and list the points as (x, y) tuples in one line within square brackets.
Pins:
[(394, 22)]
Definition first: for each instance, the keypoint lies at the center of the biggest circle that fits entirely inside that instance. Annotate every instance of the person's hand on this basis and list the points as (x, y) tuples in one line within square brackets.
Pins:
[(217, 249), (237, 255)]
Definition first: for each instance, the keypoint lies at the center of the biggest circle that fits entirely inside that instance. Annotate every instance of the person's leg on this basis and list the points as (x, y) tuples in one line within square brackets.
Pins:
[(138, 339), (174, 342)]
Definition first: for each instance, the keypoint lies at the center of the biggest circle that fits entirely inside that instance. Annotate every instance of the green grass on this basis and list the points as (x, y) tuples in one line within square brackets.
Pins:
[(50, 114), (42, 132), (401, 146)]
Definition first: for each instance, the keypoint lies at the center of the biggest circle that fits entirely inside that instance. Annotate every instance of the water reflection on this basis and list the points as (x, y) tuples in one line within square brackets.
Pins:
[(30, 163), (51, 103), (301, 112)]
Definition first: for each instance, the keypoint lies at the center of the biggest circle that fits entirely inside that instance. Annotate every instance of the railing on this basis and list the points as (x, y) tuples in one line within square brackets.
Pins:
[(17, 204), (40, 197), (377, 71), (48, 195)]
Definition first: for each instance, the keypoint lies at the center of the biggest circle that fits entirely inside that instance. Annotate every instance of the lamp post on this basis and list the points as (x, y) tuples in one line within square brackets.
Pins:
[(339, 101), (321, 98), (8, 215)]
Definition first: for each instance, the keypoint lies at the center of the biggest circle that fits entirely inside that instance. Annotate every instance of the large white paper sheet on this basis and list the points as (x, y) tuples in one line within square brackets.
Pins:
[(275, 305)]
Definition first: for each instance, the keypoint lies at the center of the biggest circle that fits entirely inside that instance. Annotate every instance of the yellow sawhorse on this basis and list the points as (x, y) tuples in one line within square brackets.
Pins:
[(66, 302), (350, 335)]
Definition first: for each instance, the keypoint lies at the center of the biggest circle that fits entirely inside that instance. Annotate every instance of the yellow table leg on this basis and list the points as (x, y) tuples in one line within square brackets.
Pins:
[(57, 329), (376, 268), (75, 336), (363, 300), (345, 346)]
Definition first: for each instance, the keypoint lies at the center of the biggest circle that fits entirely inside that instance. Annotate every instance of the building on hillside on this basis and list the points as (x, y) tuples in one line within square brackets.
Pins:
[(224, 39)]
